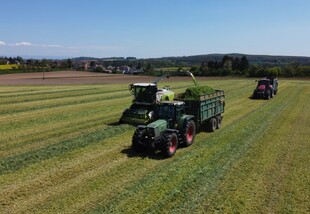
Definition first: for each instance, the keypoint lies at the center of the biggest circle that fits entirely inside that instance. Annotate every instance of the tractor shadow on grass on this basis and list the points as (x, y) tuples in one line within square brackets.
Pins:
[(115, 123), (131, 153)]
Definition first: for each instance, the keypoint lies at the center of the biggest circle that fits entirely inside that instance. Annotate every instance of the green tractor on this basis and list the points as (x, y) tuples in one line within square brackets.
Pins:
[(172, 127), (177, 122), (146, 95)]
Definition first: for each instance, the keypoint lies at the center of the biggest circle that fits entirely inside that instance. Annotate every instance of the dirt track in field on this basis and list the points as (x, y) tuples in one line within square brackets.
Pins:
[(80, 77)]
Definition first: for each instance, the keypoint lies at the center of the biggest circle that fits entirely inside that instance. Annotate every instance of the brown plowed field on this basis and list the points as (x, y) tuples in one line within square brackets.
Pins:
[(79, 77)]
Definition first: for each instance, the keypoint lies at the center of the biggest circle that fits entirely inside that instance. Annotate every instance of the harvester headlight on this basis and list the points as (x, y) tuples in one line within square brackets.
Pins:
[(151, 114)]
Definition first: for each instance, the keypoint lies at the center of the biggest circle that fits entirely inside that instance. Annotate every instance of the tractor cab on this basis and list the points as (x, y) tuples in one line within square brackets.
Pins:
[(263, 82), (171, 111)]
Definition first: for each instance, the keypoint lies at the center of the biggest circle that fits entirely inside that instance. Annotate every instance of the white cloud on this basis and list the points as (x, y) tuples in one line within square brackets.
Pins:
[(33, 45), (2, 43), (52, 46), (24, 44)]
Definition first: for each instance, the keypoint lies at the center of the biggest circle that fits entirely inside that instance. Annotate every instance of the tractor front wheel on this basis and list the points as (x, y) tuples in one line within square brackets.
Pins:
[(170, 144), (137, 144), (189, 133)]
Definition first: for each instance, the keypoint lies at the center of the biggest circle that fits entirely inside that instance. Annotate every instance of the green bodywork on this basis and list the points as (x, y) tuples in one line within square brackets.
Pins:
[(159, 126), (206, 107), (167, 96), (136, 115)]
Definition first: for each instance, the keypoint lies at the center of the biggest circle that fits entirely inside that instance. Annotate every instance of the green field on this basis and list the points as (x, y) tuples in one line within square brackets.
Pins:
[(61, 152)]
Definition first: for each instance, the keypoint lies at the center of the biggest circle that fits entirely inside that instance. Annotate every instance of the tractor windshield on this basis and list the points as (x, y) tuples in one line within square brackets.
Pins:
[(165, 112)]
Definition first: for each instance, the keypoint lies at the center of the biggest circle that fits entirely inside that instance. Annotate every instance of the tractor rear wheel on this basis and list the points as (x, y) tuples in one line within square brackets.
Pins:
[(170, 144), (189, 133), (137, 144), (218, 121), (212, 124)]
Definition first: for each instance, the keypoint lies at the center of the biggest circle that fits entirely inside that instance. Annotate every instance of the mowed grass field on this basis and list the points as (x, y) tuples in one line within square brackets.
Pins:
[(61, 151)]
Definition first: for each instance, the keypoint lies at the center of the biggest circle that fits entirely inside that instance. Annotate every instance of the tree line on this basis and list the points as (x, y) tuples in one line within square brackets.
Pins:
[(228, 65), (34, 65)]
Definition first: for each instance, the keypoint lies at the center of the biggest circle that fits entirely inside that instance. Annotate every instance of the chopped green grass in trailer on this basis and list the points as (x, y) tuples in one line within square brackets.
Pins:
[(194, 93)]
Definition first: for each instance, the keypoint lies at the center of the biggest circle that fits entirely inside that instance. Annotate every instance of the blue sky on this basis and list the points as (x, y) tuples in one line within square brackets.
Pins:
[(153, 28)]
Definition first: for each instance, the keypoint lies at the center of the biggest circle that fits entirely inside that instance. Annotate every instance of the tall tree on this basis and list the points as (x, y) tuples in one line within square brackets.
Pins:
[(244, 65), (227, 62), (19, 59)]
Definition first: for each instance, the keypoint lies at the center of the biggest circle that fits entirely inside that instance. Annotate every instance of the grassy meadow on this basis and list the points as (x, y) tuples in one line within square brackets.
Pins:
[(61, 151)]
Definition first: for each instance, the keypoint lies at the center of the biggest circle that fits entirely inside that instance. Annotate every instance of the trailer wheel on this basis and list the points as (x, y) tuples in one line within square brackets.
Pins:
[(170, 144), (189, 133), (218, 121), (137, 144), (212, 124)]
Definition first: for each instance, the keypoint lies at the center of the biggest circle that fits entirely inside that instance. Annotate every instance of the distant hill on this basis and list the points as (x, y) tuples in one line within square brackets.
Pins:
[(253, 59), (197, 59)]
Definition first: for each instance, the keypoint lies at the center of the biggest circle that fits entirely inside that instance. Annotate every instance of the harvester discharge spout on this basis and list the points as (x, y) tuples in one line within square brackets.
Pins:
[(193, 77)]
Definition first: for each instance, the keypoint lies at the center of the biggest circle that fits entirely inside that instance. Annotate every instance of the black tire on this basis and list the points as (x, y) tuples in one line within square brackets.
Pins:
[(267, 95), (189, 133), (218, 121), (272, 94), (137, 144), (170, 144), (212, 124), (254, 96)]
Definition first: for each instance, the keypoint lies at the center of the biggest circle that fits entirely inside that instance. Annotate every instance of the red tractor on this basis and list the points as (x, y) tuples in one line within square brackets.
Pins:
[(266, 88)]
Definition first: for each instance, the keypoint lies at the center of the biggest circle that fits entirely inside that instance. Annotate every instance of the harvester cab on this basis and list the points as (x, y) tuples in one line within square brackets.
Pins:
[(145, 97), (143, 93)]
